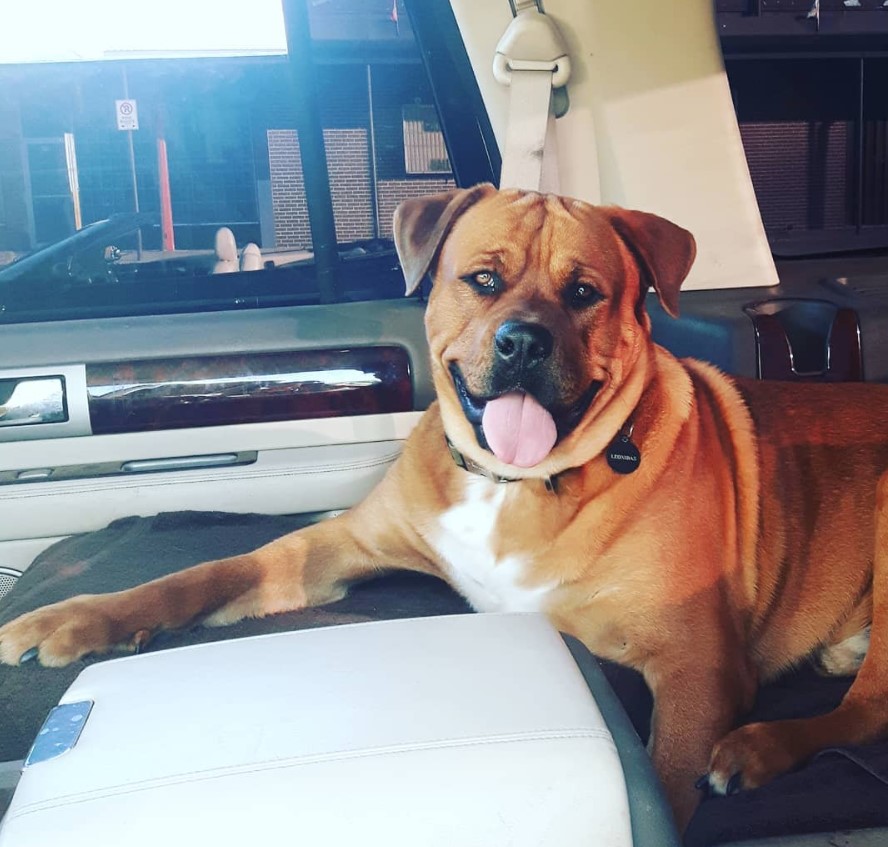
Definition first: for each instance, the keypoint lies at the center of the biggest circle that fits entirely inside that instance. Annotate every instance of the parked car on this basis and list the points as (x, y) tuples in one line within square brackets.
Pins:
[(100, 271)]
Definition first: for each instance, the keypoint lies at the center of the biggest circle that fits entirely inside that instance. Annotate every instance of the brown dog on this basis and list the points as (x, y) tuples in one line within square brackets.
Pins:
[(753, 533)]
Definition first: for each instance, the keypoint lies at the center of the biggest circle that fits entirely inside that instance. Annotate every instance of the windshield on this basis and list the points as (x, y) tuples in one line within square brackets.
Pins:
[(164, 168)]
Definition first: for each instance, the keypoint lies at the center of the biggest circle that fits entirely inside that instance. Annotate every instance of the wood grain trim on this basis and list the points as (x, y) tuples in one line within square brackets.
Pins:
[(177, 393)]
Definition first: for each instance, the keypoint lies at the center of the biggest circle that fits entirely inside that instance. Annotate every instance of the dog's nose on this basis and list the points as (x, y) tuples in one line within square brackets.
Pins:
[(523, 344)]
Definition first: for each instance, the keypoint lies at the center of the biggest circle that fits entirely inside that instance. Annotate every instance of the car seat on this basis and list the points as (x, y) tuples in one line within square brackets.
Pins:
[(226, 252)]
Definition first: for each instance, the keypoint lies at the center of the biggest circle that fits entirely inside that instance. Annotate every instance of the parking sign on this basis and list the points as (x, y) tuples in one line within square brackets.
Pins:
[(127, 114)]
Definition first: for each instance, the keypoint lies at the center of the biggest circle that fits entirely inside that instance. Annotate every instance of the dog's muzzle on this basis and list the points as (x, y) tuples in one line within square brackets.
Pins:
[(519, 417)]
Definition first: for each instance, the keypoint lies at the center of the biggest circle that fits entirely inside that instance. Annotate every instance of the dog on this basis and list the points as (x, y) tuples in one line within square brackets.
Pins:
[(710, 532)]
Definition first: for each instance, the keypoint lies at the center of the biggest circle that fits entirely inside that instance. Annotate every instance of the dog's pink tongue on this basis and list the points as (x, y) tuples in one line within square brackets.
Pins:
[(518, 429)]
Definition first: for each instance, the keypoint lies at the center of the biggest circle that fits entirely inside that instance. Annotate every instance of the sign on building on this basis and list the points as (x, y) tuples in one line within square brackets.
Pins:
[(127, 114)]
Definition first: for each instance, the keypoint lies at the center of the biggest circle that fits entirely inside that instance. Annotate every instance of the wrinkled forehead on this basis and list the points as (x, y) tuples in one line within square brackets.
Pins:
[(518, 230)]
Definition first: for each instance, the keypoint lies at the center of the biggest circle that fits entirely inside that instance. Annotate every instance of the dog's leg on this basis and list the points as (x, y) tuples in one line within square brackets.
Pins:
[(695, 705), (309, 567), (756, 753)]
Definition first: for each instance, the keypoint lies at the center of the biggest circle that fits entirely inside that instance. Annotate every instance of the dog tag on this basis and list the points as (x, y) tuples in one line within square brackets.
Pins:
[(622, 455)]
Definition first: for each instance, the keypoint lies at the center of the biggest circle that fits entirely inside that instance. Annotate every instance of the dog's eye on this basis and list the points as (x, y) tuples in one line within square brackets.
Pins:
[(487, 282), (582, 294)]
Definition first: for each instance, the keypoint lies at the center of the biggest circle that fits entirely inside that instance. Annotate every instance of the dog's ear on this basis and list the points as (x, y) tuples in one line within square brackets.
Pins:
[(421, 223), (664, 251)]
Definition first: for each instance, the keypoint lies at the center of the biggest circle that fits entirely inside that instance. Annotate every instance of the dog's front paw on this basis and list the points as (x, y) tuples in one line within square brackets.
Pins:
[(64, 632), (751, 756)]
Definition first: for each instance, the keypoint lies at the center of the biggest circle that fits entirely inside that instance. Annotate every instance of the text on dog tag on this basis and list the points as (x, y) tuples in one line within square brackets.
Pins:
[(622, 455)]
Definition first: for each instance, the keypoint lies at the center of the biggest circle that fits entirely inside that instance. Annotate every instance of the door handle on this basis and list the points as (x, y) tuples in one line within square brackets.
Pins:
[(32, 400)]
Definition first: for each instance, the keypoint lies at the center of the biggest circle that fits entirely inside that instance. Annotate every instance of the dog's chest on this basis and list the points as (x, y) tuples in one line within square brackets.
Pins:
[(464, 540)]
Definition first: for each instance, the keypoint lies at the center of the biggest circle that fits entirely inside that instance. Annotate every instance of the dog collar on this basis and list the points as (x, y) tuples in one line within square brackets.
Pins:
[(466, 464), (622, 455)]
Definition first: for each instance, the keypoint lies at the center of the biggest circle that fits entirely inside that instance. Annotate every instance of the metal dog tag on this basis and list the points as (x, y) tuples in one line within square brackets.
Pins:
[(622, 455)]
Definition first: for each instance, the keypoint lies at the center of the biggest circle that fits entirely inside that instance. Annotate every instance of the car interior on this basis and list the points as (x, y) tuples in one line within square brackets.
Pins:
[(168, 405)]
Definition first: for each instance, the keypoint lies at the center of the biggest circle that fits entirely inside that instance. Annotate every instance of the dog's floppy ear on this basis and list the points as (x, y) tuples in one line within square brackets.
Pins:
[(664, 251), (421, 223)]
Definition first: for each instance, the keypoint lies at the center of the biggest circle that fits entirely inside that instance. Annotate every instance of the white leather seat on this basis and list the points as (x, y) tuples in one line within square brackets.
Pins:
[(251, 258), (226, 252), (441, 732)]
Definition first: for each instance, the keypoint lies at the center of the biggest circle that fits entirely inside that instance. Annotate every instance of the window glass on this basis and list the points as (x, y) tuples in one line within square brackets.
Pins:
[(146, 168), (815, 133), (797, 120)]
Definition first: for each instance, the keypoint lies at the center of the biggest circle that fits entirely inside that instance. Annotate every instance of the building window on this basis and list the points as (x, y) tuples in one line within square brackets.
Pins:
[(424, 148)]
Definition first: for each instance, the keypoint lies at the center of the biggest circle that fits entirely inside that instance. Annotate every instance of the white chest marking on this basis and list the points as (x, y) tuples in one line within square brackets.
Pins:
[(463, 540)]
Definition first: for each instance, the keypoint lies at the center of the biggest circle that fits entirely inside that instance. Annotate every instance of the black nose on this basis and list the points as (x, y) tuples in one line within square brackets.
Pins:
[(523, 344)]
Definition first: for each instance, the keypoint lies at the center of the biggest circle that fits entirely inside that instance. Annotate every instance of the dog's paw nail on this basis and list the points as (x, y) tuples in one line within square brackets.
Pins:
[(734, 784), (140, 640), (702, 783), (28, 655)]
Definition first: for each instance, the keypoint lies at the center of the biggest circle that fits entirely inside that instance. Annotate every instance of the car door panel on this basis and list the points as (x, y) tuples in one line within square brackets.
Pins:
[(284, 481), (259, 411)]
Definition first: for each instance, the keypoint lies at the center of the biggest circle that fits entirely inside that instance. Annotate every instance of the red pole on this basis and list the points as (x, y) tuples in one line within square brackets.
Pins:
[(166, 202)]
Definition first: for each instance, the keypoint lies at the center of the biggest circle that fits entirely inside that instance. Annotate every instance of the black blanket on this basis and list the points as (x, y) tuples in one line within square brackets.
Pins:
[(839, 790)]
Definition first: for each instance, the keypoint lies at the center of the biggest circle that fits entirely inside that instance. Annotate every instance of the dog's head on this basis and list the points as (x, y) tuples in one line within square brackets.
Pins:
[(539, 338)]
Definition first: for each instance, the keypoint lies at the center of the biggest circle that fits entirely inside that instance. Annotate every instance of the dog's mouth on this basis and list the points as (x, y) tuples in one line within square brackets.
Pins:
[(514, 426)]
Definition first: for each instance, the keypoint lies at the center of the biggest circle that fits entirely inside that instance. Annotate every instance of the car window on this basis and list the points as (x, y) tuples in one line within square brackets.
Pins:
[(161, 179)]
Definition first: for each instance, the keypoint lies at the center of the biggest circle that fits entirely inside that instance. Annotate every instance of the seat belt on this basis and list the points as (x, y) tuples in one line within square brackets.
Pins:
[(531, 59)]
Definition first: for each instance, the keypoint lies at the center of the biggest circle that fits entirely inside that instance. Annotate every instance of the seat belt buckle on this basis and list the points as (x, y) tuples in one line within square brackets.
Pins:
[(531, 42)]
